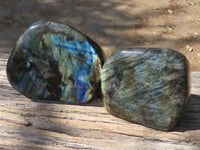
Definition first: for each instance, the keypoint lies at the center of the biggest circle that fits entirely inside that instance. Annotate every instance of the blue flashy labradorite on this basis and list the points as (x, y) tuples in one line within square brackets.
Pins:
[(146, 86), (54, 61)]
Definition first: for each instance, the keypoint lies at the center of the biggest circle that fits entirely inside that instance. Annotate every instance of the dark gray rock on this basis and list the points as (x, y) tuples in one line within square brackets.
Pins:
[(146, 86)]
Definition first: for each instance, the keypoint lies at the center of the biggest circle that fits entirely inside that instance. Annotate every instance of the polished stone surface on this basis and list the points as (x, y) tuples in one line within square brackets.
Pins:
[(146, 86), (54, 61)]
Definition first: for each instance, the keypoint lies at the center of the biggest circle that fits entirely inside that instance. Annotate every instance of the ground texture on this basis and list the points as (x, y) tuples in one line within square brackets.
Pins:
[(113, 24)]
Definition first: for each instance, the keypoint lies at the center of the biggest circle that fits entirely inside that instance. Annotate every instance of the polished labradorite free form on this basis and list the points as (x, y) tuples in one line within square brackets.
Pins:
[(54, 61), (146, 86)]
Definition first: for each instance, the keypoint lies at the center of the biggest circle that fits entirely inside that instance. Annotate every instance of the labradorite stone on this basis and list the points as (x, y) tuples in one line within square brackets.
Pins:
[(146, 86), (54, 61)]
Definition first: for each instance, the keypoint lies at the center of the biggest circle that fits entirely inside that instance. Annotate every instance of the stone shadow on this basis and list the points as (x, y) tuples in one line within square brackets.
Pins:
[(190, 119)]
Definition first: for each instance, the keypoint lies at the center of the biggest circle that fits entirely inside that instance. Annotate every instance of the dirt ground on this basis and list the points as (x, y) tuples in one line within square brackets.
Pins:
[(113, 24)]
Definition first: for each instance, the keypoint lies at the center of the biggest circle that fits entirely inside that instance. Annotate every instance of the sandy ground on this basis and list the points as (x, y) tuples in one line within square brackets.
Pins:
[(113, 24)]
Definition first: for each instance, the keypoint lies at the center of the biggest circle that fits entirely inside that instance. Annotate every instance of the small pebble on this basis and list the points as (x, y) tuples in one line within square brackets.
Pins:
[(156, 8), (189, 49), (169, 28), (191, 3), (170, 11)]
